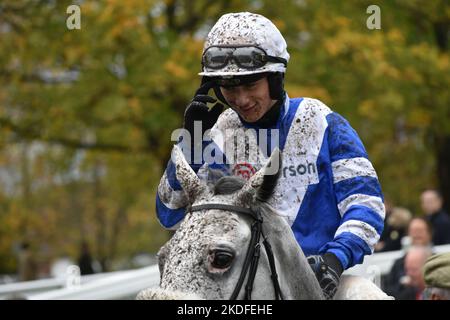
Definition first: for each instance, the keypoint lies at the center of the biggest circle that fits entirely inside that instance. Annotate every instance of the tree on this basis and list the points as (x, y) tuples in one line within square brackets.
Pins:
[(86, 115)]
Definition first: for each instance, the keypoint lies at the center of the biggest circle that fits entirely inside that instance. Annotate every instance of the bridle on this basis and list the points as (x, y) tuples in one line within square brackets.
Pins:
[(253, 251)]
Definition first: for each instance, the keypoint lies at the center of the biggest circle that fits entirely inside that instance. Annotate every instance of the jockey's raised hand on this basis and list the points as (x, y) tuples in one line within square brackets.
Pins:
[(197, 109), (328, 270)]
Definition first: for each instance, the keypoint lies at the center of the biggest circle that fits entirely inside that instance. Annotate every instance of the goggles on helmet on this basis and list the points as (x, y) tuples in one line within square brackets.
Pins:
[(245, 56)]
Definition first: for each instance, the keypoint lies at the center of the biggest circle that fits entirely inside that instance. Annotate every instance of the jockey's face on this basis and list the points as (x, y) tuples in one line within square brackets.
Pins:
[(250, 100)]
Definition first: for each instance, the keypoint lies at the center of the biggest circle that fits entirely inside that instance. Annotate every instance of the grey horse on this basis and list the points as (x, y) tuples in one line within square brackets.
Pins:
[(205, 257)]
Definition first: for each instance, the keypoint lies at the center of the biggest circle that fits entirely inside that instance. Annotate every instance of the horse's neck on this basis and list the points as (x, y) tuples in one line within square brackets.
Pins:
[(297, 280)]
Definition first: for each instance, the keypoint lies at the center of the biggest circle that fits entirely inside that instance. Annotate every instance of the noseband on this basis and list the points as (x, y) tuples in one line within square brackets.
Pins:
[(252, 256)]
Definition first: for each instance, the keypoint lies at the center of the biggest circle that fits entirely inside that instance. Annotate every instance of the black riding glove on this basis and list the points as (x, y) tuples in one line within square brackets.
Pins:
[(328, 270), (198, 110)]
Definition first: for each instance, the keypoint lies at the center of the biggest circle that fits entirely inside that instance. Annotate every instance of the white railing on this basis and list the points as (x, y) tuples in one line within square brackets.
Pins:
[(126, 284), (25, 288), (123, 285), (381, 263)]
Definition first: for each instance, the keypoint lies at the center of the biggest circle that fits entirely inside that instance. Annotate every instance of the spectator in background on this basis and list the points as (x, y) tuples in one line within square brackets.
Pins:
[(85, 260), (413, 282), (419, 232), (395, 228), (27, 263), (437, 277), (432, 205)]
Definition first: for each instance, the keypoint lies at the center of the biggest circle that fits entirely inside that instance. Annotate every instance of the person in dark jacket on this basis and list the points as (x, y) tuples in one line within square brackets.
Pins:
[(85, 260), (432, 206), (395, 284), (414, 281), (395, 228), (28, 268)]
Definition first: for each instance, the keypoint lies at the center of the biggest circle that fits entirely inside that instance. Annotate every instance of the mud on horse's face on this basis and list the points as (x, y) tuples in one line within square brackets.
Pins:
[(207, 254)]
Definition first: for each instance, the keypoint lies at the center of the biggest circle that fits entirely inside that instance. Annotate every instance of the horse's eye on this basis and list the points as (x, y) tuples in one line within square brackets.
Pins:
[(222, 259)]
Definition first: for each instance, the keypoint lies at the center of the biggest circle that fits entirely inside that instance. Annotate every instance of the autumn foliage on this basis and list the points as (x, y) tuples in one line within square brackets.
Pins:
[(86, 115)]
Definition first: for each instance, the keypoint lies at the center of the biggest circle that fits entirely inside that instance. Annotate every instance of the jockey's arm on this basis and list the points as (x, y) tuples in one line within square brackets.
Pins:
[(358, 195)]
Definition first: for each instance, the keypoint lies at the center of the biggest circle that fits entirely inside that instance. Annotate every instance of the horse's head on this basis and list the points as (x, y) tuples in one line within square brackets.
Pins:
[(206, 256)]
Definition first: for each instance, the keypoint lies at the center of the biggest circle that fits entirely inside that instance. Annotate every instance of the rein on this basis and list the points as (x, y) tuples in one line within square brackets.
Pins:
[(253, 251)]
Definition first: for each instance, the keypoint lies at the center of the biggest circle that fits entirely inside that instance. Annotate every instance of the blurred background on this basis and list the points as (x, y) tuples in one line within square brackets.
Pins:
[(86, 115)]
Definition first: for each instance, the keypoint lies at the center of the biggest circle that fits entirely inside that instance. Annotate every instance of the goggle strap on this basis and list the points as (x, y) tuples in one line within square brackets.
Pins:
[(229, 56)]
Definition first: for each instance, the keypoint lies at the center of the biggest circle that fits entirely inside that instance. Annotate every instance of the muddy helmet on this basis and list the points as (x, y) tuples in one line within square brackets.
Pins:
[(245, 29)]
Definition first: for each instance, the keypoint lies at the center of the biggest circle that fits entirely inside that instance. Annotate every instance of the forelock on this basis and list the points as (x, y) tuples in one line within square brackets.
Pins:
[(228, 185)]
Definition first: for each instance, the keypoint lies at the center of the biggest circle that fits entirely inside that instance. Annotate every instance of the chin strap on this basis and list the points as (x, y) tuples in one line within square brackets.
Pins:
[(276, 85)]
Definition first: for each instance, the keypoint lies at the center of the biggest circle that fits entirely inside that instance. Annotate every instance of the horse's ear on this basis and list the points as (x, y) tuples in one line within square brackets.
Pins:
[(189, 181), (272, 172), (263, 182)]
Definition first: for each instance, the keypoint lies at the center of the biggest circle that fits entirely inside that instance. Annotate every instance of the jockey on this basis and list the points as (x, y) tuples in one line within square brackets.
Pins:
[(334, 204)]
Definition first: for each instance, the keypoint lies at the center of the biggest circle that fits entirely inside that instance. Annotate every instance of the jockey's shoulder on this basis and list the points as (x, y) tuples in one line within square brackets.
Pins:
[(315, 106)]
